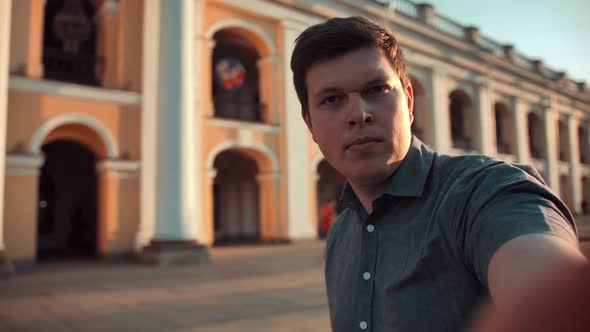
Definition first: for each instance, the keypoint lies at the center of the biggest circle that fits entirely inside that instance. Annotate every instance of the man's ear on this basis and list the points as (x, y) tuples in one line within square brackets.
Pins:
[(307, 119), (410, 101)]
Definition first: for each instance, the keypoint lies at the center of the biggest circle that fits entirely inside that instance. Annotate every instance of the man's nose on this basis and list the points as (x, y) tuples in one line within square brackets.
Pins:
[(358, 111)]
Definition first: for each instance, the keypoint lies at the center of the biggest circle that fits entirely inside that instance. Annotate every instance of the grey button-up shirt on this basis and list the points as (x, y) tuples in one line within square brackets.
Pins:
[(419, 261)]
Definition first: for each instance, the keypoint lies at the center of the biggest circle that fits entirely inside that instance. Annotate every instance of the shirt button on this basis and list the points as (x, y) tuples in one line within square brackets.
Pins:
[(370, 228), (363, 325), (366, 275)]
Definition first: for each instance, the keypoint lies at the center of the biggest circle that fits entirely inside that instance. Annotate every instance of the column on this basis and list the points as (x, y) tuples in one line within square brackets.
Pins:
[(173, 161), (271, 229), (268, 68), (550, 123), (296, 146), (487, 121), (576, 180), (522, 137), (5, 15), (149, 120), (108, 27), (440, 115), (208, 208), (205, 73), (113, 177)]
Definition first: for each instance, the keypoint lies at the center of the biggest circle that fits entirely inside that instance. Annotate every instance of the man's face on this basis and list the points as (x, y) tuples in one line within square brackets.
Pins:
[(359, 115)]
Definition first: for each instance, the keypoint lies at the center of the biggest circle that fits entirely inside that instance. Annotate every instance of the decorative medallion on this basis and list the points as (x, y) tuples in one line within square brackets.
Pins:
[(230, 74)]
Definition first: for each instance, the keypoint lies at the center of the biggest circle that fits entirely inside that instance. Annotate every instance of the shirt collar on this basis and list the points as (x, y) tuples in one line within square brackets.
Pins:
[(409, 179)]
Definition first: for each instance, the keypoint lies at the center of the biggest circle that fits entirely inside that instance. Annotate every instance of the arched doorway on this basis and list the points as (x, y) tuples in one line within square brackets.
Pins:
[(67, 211), (536, 133), (563, 150), (329, 187), (421, 125), (235, 199), (584, 144), (504, 129), (585, 205), (462, 124)]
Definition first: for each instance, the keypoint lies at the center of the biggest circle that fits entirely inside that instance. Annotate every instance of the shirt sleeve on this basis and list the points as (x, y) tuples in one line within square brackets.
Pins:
[(499, 202)]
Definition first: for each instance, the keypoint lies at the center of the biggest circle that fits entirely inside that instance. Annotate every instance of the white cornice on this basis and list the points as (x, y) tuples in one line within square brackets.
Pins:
[(74, 90), (235, 124)]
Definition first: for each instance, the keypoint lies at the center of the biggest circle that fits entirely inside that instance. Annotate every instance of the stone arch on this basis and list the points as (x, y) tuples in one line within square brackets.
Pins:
[(462, 120), (505, 133), (264, 156), (536, 133), (265, 186), (421, 127), (584, 143), (253, 32), (243, 63), (563, 148), (72, 123)]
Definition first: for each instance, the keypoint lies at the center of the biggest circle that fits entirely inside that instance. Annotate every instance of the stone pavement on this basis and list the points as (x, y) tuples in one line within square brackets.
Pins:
[(251, 288), (258, 288)]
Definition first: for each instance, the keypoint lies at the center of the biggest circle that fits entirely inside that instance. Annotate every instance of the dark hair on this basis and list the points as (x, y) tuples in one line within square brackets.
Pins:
[(336, 37)]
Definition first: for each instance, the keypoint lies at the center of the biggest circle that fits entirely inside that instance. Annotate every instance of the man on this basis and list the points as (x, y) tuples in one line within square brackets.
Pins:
[(424, 237)]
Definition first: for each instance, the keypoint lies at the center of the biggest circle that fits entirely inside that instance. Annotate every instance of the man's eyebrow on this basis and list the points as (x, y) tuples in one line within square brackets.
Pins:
[(327, 90)]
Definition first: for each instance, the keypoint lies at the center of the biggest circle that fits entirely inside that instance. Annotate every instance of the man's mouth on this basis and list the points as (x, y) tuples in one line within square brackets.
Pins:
[(362, 142)]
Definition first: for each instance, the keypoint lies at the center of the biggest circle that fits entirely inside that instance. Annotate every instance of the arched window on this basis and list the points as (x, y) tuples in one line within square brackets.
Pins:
[(535, 131), (236, 77), (69, 42), (504, 129), (461, 120)]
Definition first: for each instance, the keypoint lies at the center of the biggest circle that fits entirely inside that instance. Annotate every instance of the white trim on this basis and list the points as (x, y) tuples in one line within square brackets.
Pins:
[(272, 176), (73, 118), (235, 124), (74, 90), (20, 161), (230, 144), (19, 165), (509, 158), (120, 176), (563, 167), (541, 166), (21, 172), (118, 166), (5, 18), (240, 23)]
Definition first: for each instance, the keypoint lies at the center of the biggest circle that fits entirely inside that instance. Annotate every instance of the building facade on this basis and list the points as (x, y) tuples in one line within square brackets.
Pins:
[(131, 122)]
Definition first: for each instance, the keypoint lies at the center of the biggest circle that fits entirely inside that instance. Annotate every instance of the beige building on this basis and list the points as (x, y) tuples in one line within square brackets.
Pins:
[(137, 124)]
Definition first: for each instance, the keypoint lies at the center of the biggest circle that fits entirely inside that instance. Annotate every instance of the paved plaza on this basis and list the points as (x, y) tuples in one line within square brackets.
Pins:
[(259, 288), (249, 288)]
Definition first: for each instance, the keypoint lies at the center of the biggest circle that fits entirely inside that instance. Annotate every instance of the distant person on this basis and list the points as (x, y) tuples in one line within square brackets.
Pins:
[(327, 216), (424, 237)]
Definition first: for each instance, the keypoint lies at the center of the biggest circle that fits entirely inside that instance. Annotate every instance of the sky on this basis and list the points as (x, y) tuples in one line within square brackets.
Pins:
[(556, 31)]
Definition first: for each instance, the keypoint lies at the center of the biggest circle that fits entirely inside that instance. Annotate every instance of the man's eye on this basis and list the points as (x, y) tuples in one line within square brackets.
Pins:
[(378, 89), (330, 100)]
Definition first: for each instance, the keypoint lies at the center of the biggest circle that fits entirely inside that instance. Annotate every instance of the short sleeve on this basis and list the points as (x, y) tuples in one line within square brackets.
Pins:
[(500, 203)]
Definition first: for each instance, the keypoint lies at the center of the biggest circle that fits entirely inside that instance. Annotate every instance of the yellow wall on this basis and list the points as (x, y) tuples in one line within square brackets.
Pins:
[(26, 114), (130, 44), (28, 111), (20, 217)]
